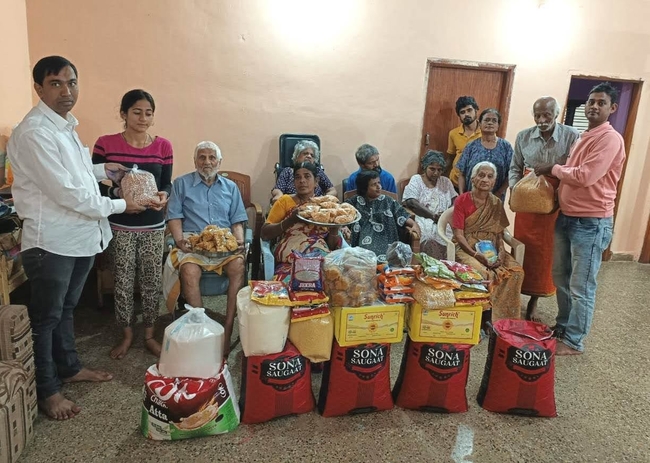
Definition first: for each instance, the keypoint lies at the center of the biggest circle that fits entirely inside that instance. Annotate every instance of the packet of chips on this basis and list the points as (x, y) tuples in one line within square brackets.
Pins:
[(306, 272), (464, 273), (307, 297), (270, 293), (488, 250)]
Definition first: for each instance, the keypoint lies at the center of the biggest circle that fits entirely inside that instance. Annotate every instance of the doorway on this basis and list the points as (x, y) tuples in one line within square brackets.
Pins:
[(489, 84), (623, 120)]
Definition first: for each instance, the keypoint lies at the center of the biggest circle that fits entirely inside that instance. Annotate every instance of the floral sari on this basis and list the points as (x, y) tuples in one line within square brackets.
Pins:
[(301, 237), (486, 223)]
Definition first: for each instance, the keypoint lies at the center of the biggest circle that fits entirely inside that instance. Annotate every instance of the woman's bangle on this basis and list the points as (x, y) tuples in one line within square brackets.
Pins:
[(475, 254), (281, 225)]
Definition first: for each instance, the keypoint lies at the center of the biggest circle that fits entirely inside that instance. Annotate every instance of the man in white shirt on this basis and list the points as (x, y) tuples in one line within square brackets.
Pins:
[(65, 224)]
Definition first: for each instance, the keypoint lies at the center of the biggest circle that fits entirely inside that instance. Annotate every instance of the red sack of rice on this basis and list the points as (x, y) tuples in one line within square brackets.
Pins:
[(519, 375), (275, 385), (356, 380), (433, 377)]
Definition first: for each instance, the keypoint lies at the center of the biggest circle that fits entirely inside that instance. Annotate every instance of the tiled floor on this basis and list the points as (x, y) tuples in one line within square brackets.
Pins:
[(602, 399)]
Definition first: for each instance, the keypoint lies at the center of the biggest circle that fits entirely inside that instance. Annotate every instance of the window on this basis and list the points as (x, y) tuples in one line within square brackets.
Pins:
[(580, 121)]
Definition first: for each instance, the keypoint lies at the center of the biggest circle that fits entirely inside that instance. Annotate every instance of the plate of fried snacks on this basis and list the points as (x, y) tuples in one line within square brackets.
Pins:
[(328, 212), (214, 242)]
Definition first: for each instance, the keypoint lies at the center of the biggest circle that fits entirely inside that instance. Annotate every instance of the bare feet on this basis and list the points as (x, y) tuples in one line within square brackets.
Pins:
[(58, 407), (86, 374), (531, 310), (563, 349), (118, 352), (153, 346)]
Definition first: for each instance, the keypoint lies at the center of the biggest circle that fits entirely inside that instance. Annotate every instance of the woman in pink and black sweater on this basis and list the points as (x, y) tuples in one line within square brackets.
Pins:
[(138, 240)]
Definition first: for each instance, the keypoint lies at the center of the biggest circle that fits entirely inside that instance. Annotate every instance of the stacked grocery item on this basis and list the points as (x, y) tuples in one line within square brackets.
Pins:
[(357, 378), (395, 278), (276, 378), (312, 324), (442, 326), (395, 284), (449, 302), (190, 392), (283, 329)]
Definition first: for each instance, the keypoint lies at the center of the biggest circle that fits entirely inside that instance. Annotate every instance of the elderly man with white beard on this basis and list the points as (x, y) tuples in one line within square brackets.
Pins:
[(199, 199), (546, 142)]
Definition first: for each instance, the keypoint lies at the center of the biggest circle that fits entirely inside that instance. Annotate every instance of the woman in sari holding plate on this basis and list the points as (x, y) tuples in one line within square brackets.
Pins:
[(480, 216), (295, 234)]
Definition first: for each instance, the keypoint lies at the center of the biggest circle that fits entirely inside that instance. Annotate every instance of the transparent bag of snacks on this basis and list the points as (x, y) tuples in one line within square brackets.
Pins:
[(141, 185), (350, 277)]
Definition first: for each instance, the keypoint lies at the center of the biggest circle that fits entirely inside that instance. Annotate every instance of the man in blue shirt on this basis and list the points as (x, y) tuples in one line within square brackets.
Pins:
[(368, 159), (199, 199)]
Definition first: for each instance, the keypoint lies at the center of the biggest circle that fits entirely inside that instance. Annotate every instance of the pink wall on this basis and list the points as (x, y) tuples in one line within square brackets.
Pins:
[(242, 73), (15, 84)]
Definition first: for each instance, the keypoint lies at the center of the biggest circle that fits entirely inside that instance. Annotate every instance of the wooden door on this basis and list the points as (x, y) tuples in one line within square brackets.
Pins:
[(489, 84)]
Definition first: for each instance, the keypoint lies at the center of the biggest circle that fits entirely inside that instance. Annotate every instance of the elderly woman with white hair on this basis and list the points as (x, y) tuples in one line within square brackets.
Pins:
[(199, 199), (428, 195), (479, 216), (304, 151)]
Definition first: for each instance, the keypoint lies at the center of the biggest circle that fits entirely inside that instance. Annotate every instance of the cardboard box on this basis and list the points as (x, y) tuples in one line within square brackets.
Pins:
[(453, 325), (375, 323)]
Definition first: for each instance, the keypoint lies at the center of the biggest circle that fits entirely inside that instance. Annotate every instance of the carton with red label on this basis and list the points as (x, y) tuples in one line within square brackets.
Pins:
[(378, 323), (451, 325), (433, 377)]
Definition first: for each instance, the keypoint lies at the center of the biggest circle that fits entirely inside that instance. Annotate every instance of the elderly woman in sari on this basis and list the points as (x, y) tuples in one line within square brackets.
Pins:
[(382, 218), (428, 195), (293, 233), (487, 148), (304, 151), (479, 215)]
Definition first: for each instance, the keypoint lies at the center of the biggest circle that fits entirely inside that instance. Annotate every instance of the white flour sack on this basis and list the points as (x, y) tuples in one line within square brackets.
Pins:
[(192, 347), (263, 329)]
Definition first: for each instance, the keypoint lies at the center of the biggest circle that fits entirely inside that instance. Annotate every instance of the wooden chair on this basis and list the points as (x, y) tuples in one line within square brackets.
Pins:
[(518, 249), (400, 188), (255, 217)]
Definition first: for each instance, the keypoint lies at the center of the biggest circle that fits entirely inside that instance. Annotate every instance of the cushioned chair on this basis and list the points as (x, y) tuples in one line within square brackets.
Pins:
[(518, 248), (211, 283), (400, 188), (287, 144)]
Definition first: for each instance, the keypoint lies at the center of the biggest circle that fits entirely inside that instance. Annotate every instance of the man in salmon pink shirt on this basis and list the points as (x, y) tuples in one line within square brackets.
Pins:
[(583, 230)]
